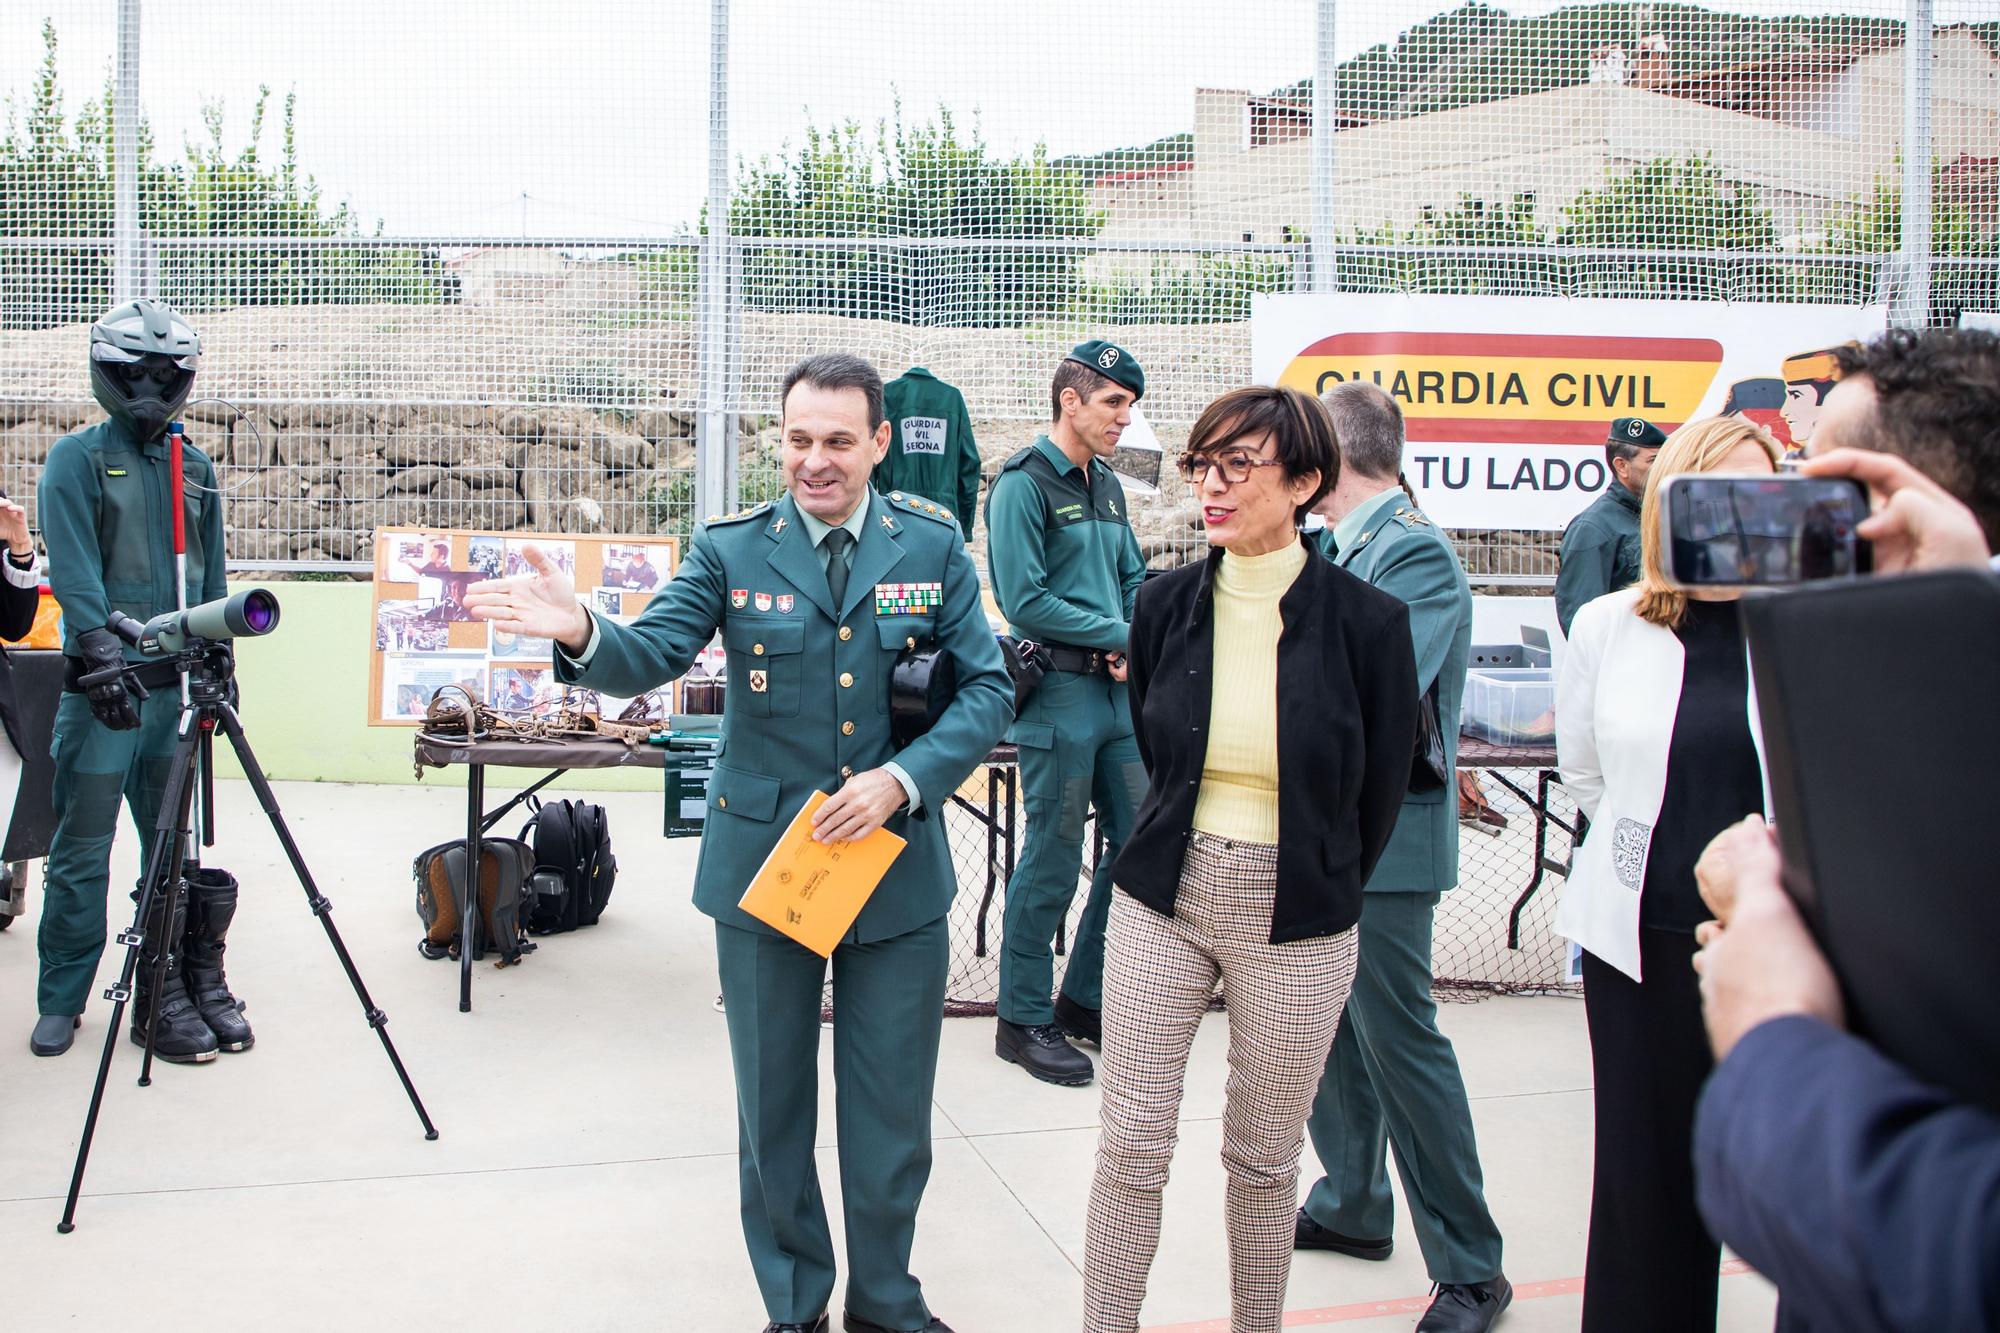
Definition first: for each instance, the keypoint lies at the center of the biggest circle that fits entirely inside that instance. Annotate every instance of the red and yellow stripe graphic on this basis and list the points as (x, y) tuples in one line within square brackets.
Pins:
[(1517, 388)]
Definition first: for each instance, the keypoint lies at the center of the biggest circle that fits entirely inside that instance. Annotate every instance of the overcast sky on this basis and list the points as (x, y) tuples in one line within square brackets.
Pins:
[(438, 116)]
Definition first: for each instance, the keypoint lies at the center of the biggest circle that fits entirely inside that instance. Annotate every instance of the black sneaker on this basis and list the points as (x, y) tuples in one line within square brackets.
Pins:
[(1467, 1307), (1040, 1049), (1310, 1235), (1079, 1023)]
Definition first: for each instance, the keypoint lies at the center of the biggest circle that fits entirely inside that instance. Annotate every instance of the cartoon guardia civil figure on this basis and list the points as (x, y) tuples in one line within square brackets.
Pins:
[(815, 595)]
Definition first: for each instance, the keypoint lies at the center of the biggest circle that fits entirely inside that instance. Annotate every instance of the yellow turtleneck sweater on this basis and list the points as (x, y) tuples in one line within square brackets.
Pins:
[(1239, 776)]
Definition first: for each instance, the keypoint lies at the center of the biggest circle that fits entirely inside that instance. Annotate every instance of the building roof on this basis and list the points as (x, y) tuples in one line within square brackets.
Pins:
[(1760, 81), (1142, 174)]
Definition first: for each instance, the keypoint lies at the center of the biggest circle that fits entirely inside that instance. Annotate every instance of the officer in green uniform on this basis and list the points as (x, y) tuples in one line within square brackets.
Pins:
[(931, 451), (1065, 570), (815, 595), (1392, 1078), (1600, 548), (105, 503)]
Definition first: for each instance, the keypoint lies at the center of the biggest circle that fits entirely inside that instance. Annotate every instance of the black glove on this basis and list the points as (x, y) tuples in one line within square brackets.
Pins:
[(110, 702)]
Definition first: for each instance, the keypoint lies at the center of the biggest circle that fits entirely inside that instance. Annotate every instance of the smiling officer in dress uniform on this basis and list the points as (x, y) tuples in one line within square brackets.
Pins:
[(815, 595)]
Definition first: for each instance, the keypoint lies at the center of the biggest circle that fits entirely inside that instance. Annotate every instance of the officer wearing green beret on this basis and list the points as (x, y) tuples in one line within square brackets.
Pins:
[(1065, 570), (106, 511), (815, 595), (1600, 548)]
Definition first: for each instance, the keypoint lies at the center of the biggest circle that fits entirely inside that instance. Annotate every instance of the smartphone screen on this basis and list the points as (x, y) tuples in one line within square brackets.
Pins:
[(1762, 532)]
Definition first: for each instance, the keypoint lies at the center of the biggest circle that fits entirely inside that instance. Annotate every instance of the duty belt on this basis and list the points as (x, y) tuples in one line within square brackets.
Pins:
[(1067, 657)]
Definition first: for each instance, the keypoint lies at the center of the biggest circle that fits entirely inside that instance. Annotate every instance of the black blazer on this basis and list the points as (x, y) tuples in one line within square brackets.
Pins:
[(1347, 709)]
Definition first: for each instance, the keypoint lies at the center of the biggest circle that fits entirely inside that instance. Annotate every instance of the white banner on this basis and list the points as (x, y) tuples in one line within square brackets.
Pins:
[(1507, 399)]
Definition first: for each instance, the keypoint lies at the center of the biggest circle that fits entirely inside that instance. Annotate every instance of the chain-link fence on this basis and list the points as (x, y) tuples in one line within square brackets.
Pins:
[(512, 265)]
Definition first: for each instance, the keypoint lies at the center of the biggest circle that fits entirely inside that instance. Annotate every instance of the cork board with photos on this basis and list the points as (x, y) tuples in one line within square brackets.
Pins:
[(426, 639)]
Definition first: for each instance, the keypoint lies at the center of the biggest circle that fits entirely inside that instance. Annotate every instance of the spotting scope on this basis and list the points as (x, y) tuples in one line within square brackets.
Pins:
[(244, 615)]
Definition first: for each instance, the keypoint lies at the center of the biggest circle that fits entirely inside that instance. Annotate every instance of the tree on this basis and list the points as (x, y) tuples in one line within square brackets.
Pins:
[(59, 186), (911, 183), (1675, 204), (1964, 228)]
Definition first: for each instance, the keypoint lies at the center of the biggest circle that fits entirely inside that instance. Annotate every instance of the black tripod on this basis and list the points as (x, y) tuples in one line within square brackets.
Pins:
[(207, 668)]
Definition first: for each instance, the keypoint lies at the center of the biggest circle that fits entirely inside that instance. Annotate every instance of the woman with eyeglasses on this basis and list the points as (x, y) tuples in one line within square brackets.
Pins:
[(1274, 697)]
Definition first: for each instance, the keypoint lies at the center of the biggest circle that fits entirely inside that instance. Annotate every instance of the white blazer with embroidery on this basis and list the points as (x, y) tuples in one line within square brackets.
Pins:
[(1616, 700)]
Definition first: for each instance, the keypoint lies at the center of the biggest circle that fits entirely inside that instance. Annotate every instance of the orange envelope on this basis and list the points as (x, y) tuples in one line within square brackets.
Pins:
[(812, 891)]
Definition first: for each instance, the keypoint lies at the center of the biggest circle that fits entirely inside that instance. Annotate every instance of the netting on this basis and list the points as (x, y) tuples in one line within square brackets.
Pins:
[(517, 265), (1492, 935), (511, 268)]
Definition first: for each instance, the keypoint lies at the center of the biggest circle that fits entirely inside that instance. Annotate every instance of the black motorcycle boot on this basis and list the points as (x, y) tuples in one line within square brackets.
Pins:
[(211, 907), (180, 1036)]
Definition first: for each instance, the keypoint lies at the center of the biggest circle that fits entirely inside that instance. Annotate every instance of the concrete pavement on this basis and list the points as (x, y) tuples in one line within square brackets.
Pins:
[(585, 1178)]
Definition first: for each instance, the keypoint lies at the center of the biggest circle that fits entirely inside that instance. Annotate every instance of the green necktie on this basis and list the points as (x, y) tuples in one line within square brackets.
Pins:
[(836, 543)]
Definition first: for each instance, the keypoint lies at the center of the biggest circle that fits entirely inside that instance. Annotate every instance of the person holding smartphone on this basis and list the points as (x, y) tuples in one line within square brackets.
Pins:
[(1657, 740)]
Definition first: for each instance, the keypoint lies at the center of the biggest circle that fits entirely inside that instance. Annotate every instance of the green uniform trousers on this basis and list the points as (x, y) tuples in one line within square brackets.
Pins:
[(1076, 747), (96, 767), (1392, 1075), (888, 1000)]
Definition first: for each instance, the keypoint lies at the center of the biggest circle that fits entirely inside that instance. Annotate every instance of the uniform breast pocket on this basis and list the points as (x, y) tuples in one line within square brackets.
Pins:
[(124, 537), (195, 504), (1631, 552), (766, 665), (898, 633)]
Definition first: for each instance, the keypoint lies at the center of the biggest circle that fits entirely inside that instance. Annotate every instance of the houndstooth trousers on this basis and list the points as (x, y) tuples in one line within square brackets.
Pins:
[(1284, 1005)]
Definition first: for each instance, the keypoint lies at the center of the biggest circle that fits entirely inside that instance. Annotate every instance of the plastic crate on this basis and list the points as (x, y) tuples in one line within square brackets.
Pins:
[(1511, 706)]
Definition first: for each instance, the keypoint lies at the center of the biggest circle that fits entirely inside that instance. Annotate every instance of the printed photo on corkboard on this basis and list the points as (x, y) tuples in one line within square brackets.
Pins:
[(425, 638)]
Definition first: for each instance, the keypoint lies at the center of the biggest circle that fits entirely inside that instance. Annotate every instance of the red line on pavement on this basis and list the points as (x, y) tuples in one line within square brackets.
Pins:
[(1343, 1314)]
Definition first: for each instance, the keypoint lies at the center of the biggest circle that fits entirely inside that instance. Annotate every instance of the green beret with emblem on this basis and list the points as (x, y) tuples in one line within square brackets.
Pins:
[(1637, 431), (1113, 362)]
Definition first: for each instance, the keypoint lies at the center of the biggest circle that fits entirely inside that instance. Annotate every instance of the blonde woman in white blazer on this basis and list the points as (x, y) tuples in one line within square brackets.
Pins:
[(1656, 736)]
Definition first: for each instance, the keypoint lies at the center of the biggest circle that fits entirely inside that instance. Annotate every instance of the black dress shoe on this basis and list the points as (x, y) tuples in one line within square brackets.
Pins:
[(1467, 1307), (819, 1325), (1310, 1235), (856, 1324), (1040, 1049), (1079, 1023), (53, 1033)]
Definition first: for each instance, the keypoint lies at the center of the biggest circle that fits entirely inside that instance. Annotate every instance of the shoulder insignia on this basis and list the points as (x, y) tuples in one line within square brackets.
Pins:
[(1019, 458), (915, 505), (739, 515), (895, 495)]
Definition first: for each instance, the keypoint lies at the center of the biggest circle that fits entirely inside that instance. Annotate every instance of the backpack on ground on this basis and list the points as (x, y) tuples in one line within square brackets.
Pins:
[(573, 868), (504, 896)]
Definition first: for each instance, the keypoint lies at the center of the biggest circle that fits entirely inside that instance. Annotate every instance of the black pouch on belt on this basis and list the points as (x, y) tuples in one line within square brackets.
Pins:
[(1024, 665)]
